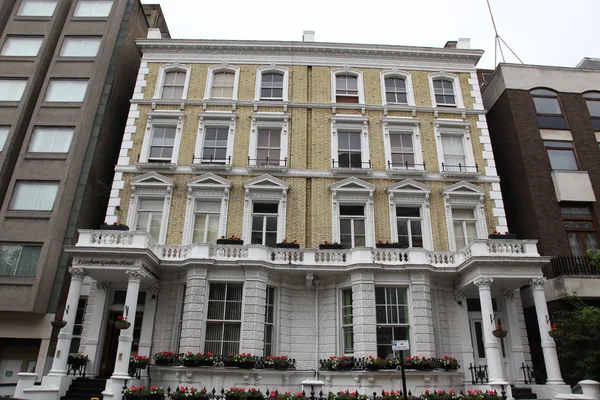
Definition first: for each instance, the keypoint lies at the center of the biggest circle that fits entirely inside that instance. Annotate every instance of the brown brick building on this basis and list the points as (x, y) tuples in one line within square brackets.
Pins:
[(544, 126)]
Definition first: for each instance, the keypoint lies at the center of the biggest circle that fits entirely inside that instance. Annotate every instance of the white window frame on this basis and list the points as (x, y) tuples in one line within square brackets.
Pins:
[(342, 324), (265, 189), (210, 78), (209, 187), (359, 84), (458, 128), (354, 123), (18, 38), (76, 38), (410, 95), (225, 281), (151, 186), (391, 125), (467, 196), (272, 324), (410, 323), (9, 80), (162, 118), (215, 120), (164, 70), (410, 193), (269, 120), (456, 85), (353, 191), (272, 69)]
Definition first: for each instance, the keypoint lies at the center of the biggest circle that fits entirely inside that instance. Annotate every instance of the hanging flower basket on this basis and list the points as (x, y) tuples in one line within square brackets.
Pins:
[(58, 323), (122, 323), (554, 332), (499, 333)]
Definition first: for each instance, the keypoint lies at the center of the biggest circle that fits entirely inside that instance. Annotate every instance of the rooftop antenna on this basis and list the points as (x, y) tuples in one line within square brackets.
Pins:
[(498, 41)]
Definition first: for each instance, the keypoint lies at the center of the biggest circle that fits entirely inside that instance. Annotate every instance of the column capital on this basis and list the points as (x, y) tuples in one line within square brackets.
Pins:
[(509, 295), (102, 287), (135, 275), (483, 282), (537, 283), (153, 290), (77, 273)]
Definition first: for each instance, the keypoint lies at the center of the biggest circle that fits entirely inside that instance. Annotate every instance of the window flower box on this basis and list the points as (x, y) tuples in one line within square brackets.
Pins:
[(331, 246), (77, 359), (114, 227), (164, 358), (288, 245), (505, 235), (386, 245), (232, 240)]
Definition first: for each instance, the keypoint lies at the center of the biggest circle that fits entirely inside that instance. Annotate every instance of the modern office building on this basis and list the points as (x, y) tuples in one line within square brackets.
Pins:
[(373, 161), (544, 126), (67, 71)]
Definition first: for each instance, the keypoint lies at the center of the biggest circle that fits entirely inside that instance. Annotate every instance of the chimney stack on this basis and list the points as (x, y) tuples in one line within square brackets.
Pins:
[(463, 43), (308, 36)]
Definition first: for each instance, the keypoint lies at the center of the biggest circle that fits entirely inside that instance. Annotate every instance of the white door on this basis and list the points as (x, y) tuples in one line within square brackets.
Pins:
[(478, 342)]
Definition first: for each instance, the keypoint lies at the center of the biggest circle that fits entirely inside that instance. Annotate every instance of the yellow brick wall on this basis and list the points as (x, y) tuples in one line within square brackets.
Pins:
[(309, 199)]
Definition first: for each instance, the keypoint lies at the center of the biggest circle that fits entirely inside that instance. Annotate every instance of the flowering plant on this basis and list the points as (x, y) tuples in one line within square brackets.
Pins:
[(555, 332), (157, 390), (439, 395), (420, 362), (77, 356), (232, 237), (448, 363), (198, 356), (237, 393), (289, 241), (122, 318), (164, 357), (135, 392), (140, 360), (343, 363), (278, 362), (373, 363), (346, 396), (499, 328), (189, 393), (273, 395), (481, 395)]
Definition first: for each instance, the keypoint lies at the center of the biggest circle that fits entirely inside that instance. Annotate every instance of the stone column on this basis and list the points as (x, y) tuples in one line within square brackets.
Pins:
[(126, 335), (363, 312), (253, 313), (91, 343), (516, 323), (491, 344), (148, 324), (548, 345), (423, 316), (193, 310), (466, 345), (59, 363)]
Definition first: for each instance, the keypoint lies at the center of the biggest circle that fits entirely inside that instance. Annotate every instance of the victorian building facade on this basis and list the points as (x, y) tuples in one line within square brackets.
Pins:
[(340, 148)]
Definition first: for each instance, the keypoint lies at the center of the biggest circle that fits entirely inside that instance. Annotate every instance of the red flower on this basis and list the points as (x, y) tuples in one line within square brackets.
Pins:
[(427, 391), (553, 326), (499, 326), (325, 241)]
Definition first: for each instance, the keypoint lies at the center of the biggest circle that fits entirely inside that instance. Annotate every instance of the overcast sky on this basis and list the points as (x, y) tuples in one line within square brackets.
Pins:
[(548, 32)]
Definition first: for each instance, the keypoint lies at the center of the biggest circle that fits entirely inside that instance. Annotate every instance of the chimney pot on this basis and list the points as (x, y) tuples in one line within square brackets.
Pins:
[(308, 36), (463, 43)]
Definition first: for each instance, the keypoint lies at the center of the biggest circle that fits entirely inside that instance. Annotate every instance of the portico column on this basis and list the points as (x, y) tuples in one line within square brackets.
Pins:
[(253, 315), (91, 343), (548, 345), (466, 345), (148, 324), (126, 336), (59, 363), (516, 325), (492, 348)]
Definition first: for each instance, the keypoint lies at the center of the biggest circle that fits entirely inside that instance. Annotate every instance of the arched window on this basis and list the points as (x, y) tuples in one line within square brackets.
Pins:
[(173, 82), (271, 84), (548, 110), (445, 90), (396, 88), (592, 100), (222, 87)]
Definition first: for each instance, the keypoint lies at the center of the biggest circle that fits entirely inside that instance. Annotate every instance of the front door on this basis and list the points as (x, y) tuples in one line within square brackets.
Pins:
[(478, 342), (111, 342)]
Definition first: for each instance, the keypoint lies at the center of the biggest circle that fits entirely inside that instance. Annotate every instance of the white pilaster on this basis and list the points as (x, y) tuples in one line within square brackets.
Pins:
[(126, 335), (422, 315), (492, 347), (59, 363), (514, 331), (193, 310), (466, 345), (148, 324), (548, 345), (91, 343), (363, 311), (253, 314)]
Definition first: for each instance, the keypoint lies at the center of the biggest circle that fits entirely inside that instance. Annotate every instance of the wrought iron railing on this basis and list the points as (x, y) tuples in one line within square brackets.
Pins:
[(267, 162), (459, 168), (527, 373), (211, 160), (406, 165), (350, 164), (573, 265), (479, 374)]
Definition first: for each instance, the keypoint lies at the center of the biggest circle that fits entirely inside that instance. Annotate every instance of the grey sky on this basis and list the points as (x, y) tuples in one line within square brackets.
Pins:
[(549, 32)]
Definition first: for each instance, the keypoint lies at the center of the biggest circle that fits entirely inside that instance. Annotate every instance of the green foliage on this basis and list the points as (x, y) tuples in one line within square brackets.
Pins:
[(594, 258), (579, 347)]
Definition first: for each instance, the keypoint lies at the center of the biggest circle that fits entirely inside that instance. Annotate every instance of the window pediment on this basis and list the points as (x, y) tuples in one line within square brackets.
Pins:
[(408, 188), (352, 185), (208, 181), (152, 180), (266, 182), (463, 192)]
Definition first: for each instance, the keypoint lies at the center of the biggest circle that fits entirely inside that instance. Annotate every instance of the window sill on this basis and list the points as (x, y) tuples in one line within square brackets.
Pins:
[(90, 19), (17, 280), (32, 18), (28, 59), (62, 104), (351, 171), (45, 156), (156, 166), (404, 172), (212, 167), (460, 174), (272, 168), (4, 103), (28, 214), (76, 59)]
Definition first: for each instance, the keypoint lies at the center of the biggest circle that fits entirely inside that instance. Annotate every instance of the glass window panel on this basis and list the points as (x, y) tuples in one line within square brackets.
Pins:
[(80, 46), (66, 91), (37, 8), (19, 260), (93, 8), (552, 122), (199, 228), (562, 160), (3, 136), (463, 213), (480, 350), (34, 196), (543, 92), (12, 89), (577, 212), (50, 140), (593, 108), (544, 105), (22, 46)]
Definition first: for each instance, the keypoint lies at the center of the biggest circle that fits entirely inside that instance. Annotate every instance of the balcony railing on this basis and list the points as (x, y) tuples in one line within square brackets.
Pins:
[(460, 168), (113, 241), (351, 164), (406, 165), (573, 265), (267, 162), (211, 160)]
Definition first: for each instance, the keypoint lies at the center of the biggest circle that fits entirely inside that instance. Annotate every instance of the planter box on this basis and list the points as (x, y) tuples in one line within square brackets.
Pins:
[(230, 241), (389, 246), (288, 245), (331, 246), (510, 236), (118, 227), (164, 361)]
